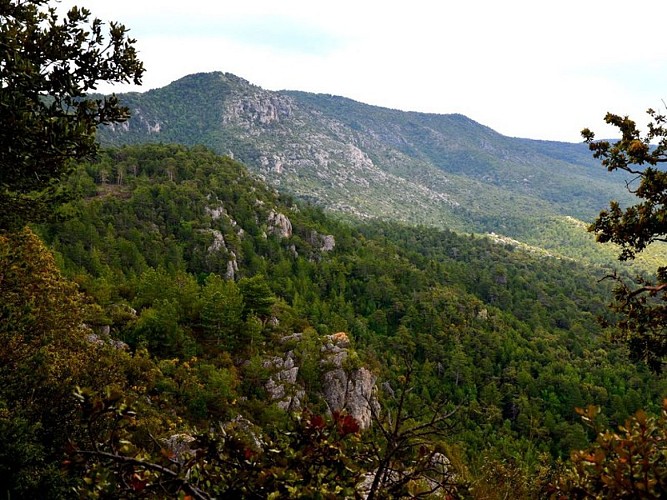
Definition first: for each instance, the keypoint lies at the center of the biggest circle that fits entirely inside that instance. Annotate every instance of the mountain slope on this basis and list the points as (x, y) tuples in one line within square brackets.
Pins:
[(510, 336), (444, 170)]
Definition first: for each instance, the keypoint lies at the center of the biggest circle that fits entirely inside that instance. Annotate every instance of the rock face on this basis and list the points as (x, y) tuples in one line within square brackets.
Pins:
[(279, 225), (344, 389), (218, 243), (325, 243), (364, 160), (434, 477), (254, 108), (328, 243), (353, 390), (232, 267), (282, 384), (215, 212), (180, 446), (103, 338)]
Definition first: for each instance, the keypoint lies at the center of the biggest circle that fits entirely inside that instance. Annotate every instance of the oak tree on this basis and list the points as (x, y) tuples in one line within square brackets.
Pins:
[(642, 303), (48, 65)]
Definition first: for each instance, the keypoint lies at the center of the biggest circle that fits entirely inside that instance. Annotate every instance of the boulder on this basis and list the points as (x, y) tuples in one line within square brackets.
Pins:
[(279, 225)]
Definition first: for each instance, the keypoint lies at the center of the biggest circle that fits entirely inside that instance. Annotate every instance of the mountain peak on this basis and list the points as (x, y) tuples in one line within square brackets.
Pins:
[(368, 161)]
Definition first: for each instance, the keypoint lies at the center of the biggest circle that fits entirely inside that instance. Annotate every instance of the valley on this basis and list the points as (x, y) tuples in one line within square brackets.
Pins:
[(278, 293)]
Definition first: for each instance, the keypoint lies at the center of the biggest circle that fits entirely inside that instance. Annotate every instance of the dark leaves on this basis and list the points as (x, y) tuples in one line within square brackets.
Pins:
[(47, 65), (642, 303)]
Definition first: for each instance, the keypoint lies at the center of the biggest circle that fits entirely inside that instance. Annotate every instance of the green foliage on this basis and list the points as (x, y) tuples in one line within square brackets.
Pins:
[(314, 457), (44, 354), (643, 303), (158, 329), (444, 171), (406, 440), (222, 311), (47, 65), (628, 463), (257, 296), (507, 335)]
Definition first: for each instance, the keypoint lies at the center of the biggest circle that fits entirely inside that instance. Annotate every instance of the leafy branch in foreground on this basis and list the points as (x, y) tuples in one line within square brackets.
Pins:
[(644, 302), (408, 460), (628, 463), (119, 457), (47, 66)]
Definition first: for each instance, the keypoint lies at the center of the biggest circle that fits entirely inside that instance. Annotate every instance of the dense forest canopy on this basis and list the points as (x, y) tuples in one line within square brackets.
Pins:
[(176, 248)]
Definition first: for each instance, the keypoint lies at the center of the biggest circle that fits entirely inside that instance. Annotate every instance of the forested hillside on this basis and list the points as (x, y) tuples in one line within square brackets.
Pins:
[(205, 288), (357, 160)]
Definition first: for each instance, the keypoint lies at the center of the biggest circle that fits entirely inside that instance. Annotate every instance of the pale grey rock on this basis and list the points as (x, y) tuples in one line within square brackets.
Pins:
[(434, 479), (352, 391), (365, 485), (232, 267), (328, 243), (151, 128), (215, 212), (241, 426), (325, 243), (218, 243), (102, 340), (155, 128), (279, 224), (103, 330), (335, 389), (93, 338), (288, 338), (282, 386), (180, 447)]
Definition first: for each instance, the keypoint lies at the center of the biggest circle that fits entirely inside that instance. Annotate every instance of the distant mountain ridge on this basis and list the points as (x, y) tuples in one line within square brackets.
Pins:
[(367, 161)]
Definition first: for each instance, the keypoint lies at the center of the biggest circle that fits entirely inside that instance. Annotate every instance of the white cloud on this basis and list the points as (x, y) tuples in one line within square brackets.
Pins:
[(525, 68)]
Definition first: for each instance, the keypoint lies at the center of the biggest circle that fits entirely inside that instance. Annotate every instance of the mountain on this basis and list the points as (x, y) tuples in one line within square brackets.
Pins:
[(367, 161)]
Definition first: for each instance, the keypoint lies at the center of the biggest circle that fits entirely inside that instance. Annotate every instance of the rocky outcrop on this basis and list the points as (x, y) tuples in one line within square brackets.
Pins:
[(432, 474), (215, 212), (279, 225), (328, 243), (141, 121), (255, 108), (344, 388), (282, 385), (218, 243), (325, 243), (350, 390), (180, 447), (232, 267), (104, 339)]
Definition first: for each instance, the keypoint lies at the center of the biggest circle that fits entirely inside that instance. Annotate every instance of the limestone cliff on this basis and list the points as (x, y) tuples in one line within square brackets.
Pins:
[(350, 389), (346, 388)]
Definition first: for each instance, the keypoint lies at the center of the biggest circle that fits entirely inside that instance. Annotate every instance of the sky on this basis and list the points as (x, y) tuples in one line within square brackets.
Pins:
[(540, 69)]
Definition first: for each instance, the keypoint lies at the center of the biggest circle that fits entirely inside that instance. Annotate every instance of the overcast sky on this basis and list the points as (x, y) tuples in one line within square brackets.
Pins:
[(541, 69)]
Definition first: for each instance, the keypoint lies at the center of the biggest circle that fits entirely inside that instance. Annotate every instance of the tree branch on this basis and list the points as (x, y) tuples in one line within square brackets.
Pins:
[(189, 488)]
